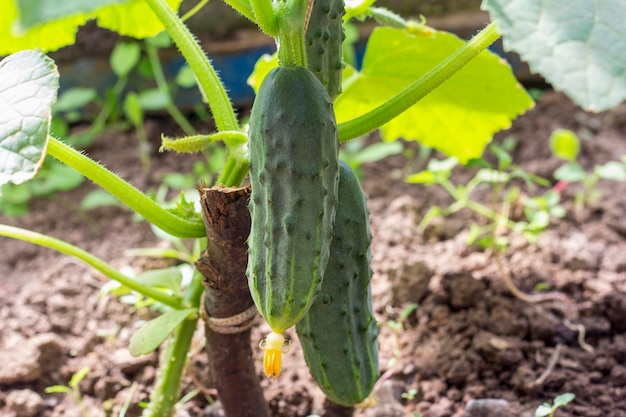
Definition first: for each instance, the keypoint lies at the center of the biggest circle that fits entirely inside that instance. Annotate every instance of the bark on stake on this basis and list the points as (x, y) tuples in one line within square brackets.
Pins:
[(223, 265)]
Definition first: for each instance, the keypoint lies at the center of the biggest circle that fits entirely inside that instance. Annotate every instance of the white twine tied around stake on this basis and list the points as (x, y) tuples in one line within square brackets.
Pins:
[(231, 325)]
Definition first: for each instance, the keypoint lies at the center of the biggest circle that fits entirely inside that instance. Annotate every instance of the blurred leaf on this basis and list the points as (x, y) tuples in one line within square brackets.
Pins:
[(161, 40), (378, 151), (50, 24), (153, 99), (503, 156), (154, 332), (58, 389), (265, 64), (99, 198), (78, 376), (166, 278), (492, 176), (422, 177), (431, 214), (565, 144), (443, 165), (612, 170), (564, 399), (124, 57), (133, 108), (185, 77), (74, 98), (28, 87), (458, 118), (570, 173), (59, 177)]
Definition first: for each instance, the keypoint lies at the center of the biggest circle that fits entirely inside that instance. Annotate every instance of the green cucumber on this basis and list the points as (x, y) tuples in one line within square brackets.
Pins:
[(294, 174), (323, 43), (339, 332)]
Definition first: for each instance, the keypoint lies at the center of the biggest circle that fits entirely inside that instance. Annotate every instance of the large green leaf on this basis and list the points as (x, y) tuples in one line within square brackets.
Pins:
[(131, 18), (34, 12), (29, 82), (579, 46), (460, 117), (154, 332)]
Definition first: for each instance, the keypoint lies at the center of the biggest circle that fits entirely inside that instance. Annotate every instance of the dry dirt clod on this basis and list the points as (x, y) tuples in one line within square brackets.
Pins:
[(487, 407), (463, 289), (24, 402)]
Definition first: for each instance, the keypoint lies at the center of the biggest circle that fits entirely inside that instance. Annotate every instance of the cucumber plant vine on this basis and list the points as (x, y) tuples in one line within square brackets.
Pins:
[(460, 94)]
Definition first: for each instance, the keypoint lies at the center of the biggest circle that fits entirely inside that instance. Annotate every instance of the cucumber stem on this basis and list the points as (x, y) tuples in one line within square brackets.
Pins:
[(129, 195), (384, 113), (91, 260), (266, 16), (291, 33), (212, 87)]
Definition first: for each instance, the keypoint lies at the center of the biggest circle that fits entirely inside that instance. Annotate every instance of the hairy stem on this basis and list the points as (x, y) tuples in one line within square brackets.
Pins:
[(419, 89), (91, 260), (265, 16), (125, 192), (212, 87), (242, 6), (291, 33), (167, 386)]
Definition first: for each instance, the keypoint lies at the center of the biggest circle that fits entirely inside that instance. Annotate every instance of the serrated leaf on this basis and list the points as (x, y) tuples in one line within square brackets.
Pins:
[(154, 332), (579, 46), (29, 82), (460, 117), (132, 18)]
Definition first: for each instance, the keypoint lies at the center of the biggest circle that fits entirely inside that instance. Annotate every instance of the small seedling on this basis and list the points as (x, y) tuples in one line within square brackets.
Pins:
[(565, 145), (505, 195), (410, 394), (72, 389), (547, 410)]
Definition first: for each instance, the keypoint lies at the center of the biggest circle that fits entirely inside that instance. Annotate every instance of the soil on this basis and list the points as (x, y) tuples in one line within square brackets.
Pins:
[(470, 348)]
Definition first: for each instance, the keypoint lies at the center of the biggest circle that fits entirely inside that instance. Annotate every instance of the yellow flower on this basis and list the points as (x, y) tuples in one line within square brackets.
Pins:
[(274, 346)]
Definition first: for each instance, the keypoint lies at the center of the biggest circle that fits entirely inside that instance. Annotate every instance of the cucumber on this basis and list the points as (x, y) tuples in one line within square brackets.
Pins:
[(294, 175), (339, 332), (323, 43)]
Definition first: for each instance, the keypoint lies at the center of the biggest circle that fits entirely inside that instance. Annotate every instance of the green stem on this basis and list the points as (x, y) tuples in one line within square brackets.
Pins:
[(194, 10), (242, 6), (291, 33), (159, 77), (419, 89), (265, 16), (197, 143), (91, 260), (129, 195), (236, 167), (212, 87), (167, 386)]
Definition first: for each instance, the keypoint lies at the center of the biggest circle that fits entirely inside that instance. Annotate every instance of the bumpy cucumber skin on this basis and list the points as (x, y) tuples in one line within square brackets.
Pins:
[(339, 332), (294, 174), (323, 43)]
